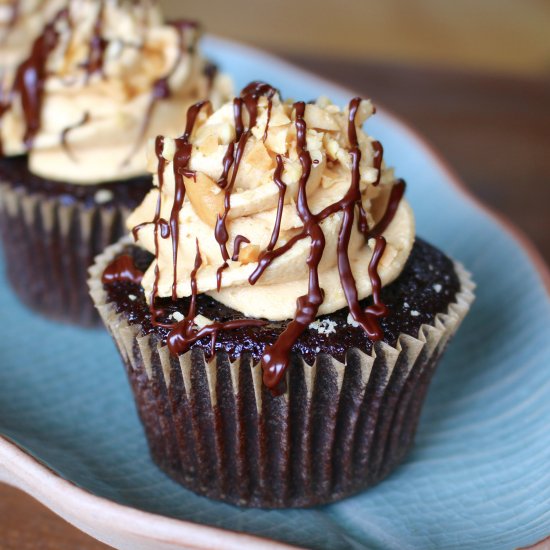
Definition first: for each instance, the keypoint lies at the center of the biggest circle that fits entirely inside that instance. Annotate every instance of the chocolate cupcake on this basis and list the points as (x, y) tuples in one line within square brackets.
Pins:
[(278, 321), (102, 78)]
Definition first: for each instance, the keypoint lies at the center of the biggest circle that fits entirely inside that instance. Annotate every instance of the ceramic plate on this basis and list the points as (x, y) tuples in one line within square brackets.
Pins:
[(478, 476)]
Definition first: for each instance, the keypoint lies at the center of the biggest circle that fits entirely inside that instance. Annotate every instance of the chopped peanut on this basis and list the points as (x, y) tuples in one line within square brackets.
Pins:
[(205, 198), (277, 138), (208, 145), (249, 253), (320, 119), (278, 119), (259, 157)]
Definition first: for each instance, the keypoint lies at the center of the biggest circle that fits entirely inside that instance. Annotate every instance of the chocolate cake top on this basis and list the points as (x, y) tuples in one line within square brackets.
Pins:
[(427, 286)]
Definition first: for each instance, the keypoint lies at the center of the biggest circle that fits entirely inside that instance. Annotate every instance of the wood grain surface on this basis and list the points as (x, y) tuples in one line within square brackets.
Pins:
[(510, 36)]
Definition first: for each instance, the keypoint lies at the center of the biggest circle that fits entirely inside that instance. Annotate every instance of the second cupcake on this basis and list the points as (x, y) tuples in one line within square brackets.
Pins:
[(101, 79)]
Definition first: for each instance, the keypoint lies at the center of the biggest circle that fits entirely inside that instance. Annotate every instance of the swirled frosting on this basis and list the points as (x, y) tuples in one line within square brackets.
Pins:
[(110, 75), (21, 21), (237, 202)]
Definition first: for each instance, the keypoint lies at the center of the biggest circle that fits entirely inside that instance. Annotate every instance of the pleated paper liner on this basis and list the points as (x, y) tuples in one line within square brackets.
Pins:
[(338, 429), (49, 246)]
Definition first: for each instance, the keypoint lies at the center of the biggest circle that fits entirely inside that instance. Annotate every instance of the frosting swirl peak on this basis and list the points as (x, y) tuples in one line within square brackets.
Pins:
[(110, 74), (304, 188), (238, 192)]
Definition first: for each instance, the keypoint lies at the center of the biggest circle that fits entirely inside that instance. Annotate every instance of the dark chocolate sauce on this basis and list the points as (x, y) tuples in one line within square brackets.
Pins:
[(97, 46), (237, 243), (228, 160), (396, 194), (425, 287), (65, 134), (377, 159), (277, 178), (249, 97), (32, 73), (122, 269), (221, 234), (180, 162), (276, 356), (184, 333), (30, 78), (348, 205), (269, 108)]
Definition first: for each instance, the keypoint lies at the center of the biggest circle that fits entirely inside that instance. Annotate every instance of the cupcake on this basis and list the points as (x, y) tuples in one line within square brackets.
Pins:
[(278, 320), (100, 80)]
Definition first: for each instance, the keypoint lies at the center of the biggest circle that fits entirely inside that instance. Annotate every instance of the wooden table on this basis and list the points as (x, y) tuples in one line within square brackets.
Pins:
[(495, 131)]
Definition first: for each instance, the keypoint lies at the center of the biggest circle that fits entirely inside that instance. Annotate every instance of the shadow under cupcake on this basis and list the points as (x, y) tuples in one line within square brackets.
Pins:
[(278, 321)]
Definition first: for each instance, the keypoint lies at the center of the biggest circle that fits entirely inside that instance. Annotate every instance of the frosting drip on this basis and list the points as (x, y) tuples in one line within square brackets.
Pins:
[(316, 220)]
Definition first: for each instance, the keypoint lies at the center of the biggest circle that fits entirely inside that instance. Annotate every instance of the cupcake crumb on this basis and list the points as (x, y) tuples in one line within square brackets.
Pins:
[(406, 305), (414, 313), (437, 288), (351, 321), (132, 297), (326, 326), (177, 316), (202, 321), (103, 196)]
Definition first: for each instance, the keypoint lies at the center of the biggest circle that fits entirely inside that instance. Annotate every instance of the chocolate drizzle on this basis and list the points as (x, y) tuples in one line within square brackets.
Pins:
[(237, 243), (30, 78), (66, 131), (122, 269), (32, 73), (377, 159), (97, 46), (276, 356), (180, 161), (184, 333), (249, 98), (277, 178), (396, 194), (352, 199)]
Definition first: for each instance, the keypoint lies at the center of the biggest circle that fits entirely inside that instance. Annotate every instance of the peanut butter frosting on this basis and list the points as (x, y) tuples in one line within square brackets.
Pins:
[(235, 231), (102, 78), (21, 22)]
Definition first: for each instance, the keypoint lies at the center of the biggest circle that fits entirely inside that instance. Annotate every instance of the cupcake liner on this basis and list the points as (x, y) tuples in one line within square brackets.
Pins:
[(48, 247), (338, 428)]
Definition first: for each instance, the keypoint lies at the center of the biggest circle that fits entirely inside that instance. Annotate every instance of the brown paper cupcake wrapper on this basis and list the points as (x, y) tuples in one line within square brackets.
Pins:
[(339, 428), (48, 248)]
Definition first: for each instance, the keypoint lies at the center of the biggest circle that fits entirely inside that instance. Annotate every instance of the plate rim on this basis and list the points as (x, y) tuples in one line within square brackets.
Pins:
[(25, 472)]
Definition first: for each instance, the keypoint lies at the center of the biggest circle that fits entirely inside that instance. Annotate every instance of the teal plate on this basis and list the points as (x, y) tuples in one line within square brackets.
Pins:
[(478, 477)]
